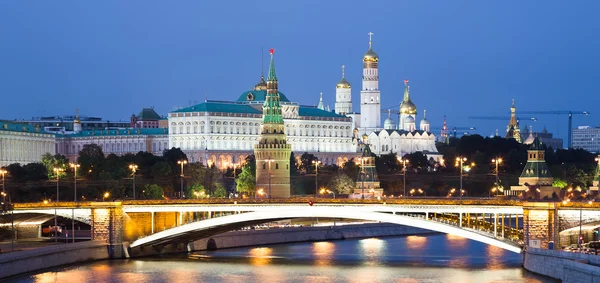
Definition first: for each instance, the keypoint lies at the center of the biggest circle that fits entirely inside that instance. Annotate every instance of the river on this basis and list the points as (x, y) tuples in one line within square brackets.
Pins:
[(428, 258)]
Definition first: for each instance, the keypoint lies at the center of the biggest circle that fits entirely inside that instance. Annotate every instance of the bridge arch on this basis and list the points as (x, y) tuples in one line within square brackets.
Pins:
[(212, 226)]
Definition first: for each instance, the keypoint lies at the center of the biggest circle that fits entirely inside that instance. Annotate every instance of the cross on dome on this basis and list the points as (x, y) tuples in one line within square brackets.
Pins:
[(343, 67), (370, 38)]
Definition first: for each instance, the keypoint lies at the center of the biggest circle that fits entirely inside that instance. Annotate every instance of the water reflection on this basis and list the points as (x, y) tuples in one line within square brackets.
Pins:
[(260, 256), (432, 258), (323, 251)]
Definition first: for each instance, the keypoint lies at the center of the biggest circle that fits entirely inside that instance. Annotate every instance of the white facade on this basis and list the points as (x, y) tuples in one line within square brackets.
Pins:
[(402, 142), (588, 138), (24, 144), (119, 142), (222, 133)]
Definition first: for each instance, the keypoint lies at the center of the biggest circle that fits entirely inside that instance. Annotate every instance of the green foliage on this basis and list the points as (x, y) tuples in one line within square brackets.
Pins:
[(173, 155), (35, 172), (351, 169), (417, 160), (152, 191), (54, 161), (195, 191), (91, 160), (341, 183), (559, 184), (246, 180), (160, 169), (16, 172), (306, 163), (219, 191)]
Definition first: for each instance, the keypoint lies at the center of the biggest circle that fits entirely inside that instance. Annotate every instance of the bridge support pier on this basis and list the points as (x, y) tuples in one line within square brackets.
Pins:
[(152, 222), (495, 225), (107, 224), (426, 215), (460, 219)]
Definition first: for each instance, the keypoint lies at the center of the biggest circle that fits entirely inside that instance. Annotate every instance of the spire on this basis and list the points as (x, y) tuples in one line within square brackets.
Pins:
[(424, 114), (272, 76), (406, 91), (370, 39), (343, 69), (261, 85), (77, 116), (321, 106)]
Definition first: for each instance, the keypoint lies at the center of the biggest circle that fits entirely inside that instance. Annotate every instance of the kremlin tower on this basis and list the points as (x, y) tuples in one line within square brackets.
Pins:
[(272, 151), (512, 130)]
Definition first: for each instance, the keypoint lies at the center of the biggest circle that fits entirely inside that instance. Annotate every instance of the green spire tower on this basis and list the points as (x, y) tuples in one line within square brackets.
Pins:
[(272, 152)]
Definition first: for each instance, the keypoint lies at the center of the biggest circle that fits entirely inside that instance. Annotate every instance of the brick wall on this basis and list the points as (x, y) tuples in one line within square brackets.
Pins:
[(539, 224), (107, 225)]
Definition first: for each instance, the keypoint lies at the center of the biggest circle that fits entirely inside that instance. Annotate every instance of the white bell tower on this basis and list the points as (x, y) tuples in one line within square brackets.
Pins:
[(343, 96), (370, 104)]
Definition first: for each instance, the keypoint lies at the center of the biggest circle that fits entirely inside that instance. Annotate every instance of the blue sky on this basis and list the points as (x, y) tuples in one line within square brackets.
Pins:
[(111, 58)]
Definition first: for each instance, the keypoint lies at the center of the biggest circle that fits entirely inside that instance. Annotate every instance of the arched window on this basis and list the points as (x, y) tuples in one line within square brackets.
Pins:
[(276, 166), (264, 166)]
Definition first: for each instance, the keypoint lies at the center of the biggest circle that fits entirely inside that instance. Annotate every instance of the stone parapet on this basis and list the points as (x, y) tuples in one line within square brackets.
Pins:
[(565, 266)]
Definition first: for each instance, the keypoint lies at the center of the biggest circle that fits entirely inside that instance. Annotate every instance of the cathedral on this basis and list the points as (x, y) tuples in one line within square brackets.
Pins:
[(400, 138)]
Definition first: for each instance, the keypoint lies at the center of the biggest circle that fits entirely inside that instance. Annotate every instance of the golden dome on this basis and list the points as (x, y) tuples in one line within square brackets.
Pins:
[(408, 107), (343, 83), (370, 55)]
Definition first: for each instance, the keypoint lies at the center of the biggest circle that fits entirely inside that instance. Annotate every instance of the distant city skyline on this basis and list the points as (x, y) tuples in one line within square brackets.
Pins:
[(463, 58)]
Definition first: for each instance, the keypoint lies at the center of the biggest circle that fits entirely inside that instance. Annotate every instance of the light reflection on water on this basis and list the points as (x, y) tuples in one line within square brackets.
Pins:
[(432, 258)]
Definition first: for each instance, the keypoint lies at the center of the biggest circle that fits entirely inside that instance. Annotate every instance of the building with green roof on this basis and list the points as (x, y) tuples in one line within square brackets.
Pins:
[(23, 143), (147, 118), (225, 132), (535, 180)]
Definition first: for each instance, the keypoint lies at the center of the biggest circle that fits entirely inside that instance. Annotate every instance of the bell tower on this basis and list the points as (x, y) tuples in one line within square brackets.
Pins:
[(370, 104)]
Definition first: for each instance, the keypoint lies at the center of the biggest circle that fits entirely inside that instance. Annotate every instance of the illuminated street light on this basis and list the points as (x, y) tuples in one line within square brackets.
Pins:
[(105, 196), (316, 163), (182, 162), (133, 169), (75, 166), (57, 171), (459, 162), (404, 161)]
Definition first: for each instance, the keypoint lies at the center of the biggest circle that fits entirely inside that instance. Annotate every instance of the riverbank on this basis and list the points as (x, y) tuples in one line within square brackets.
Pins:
[(565, 266), (19, 262)]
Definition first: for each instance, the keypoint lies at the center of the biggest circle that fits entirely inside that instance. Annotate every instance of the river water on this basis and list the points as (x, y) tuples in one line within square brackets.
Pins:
[(428, 258)]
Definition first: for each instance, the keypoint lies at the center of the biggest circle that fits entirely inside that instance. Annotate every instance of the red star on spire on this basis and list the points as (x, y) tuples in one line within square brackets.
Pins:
[(405, 82), (272, 51)]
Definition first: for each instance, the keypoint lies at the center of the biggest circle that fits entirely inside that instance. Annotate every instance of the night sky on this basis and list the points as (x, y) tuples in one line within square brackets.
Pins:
[(111, 58)]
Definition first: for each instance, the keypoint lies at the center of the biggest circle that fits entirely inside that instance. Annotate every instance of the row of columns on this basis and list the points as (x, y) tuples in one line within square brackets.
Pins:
[(15, 148)]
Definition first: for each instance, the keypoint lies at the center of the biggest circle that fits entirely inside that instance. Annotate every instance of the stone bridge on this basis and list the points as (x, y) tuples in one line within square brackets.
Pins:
[(160, 225)]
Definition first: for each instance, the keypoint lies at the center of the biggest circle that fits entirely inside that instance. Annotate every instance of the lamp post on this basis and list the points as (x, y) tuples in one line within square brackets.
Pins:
[(182, 162), (57, 171), (75, 166), (12, 216), (421, 191), (3, 172), (493, 190), (362, 176), (497, 161), (316, 163), (133, 169), (269, 160), (459, 162), (403, 161)]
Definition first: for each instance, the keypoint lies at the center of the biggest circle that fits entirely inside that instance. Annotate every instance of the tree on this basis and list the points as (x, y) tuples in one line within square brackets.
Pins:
[(351, 169), (341, 184), (559, 184), (173, 155), (417, 160), (160, 169), (91, 160), (152, 191), (16, 172), (35, 172), (50, 162), (306, 162), (246, 181), (219, 191), (195, 191)]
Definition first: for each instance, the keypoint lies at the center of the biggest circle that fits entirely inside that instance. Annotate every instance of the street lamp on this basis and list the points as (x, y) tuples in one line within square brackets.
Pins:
[(316, 163), (497, 161), (269, 160), (451, 192), (421, 191), (261, 193), (57, 171), (403, 161), (133, 169), (182, 162), (3, 172), (325, 191), (105, 196), (75, 166), (459, 162), (493, 190), (362, 176)]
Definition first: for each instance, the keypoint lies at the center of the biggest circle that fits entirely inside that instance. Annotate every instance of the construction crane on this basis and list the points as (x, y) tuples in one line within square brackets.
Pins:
[(561, 112), (504, 118)]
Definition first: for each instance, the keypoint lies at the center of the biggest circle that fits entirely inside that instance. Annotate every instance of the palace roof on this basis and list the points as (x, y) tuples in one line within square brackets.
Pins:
[(125, 132)]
